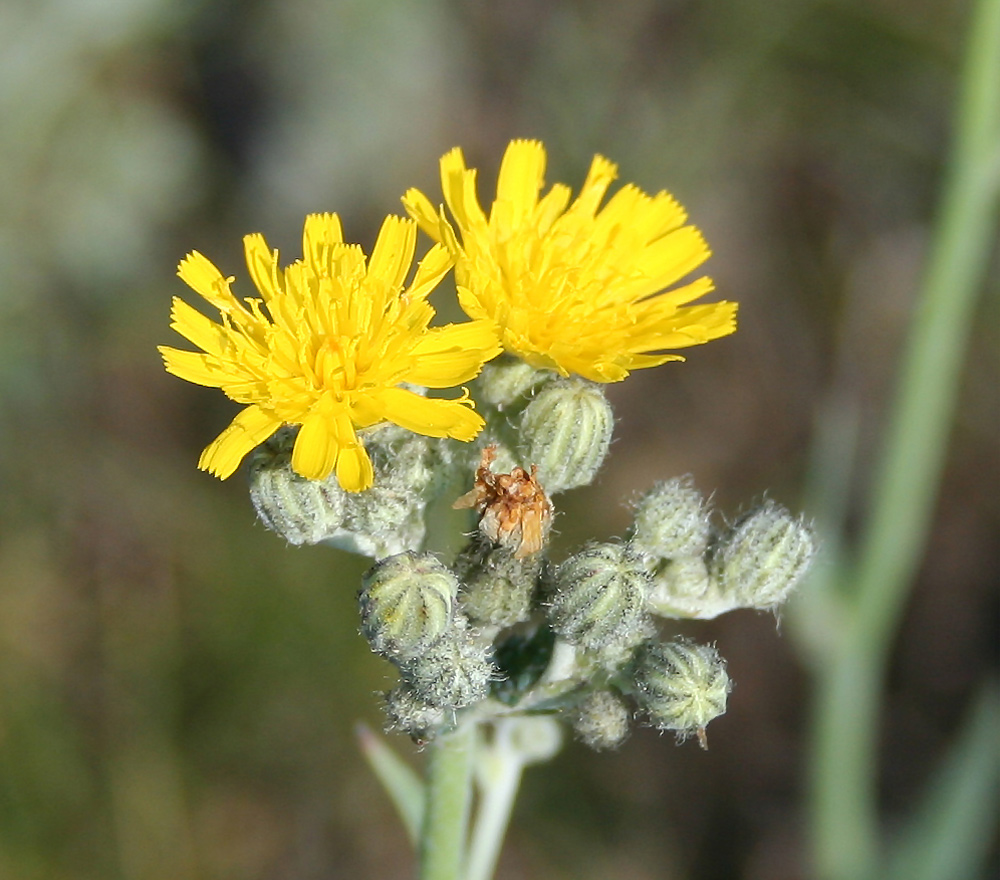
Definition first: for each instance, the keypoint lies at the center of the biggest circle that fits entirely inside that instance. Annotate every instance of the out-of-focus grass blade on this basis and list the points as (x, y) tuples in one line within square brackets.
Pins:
[(397, 777), (953, 830)]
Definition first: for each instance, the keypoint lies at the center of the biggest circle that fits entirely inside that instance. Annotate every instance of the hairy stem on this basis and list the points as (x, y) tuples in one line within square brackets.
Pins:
[(844, 764), (446, 815)]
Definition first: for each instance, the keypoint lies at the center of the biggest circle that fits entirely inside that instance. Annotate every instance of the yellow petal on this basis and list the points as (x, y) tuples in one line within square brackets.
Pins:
[(316, 447), (319, 234), (431, 269), (420, 208), (198, 329), (600, 176), (472, 304), (670, 258), (354, 469), (201, 275), (392, 255), (522, 173), (193, 366), (262, 263), (459, 187), (248, 430), (450, 355), (429, 416), (679, 296)]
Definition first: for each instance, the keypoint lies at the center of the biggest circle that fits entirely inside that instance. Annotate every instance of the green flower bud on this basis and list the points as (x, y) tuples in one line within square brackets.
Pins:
[(497, 587), (382, 521), (763, 557), (683, 587), (406, 712), (681, 686), (301, 511), (671, 520), (453, 673), (506, 380), (566, 430), (598, 598), (388, 518), (407, 604), (601, 720)]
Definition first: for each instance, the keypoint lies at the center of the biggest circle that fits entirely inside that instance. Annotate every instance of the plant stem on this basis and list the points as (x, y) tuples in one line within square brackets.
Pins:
[(500, 771), (844, 764), (446, 815)]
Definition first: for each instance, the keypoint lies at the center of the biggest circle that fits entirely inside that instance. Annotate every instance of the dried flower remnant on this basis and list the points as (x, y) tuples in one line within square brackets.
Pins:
[(515, 511)]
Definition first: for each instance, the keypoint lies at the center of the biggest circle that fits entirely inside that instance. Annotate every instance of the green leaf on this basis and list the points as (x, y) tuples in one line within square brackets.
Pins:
[(951, 834), (401, 783)]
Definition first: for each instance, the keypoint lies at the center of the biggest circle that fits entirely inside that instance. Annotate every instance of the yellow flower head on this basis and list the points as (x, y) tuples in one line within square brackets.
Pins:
[(574, 288), (327, 347)]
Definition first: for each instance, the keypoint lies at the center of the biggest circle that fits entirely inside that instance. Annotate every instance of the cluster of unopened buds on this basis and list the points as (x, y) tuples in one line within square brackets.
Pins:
[(502, 629)]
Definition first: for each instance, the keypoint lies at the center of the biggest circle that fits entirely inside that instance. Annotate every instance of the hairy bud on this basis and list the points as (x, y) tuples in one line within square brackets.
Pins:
[(671, 520), (497, 587), (566, 431), (301, 511), (681, 686), (407, 604), (598, 598), (506, 380), (601, 720), (683, 587), (384, 520), (763, 557), (452, 674), (389, 517), (406, 712)]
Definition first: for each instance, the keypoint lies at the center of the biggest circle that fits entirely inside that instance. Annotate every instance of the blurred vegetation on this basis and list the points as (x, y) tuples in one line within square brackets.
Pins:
[(178, 689)]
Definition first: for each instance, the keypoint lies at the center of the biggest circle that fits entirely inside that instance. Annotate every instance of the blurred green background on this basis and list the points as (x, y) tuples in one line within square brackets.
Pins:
[(178, 688)]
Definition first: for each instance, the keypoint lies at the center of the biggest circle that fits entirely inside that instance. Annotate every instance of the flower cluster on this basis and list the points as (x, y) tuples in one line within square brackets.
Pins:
[(338, 344), (333, 363)]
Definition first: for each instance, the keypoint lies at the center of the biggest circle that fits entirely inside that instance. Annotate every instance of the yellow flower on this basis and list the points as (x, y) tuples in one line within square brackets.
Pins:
[(327, 347), (574, 288)]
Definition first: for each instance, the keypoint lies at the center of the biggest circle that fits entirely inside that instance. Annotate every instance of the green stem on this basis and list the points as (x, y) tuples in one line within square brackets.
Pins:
[(500, 771), (446, 815), (844, 771)]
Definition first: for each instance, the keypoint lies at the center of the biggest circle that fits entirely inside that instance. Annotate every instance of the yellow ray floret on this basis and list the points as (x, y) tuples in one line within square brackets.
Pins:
[(574, 287), (327, 346)]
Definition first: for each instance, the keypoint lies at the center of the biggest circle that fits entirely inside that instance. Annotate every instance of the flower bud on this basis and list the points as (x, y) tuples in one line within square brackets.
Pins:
[(506, 380), (601, 720), (566, 430), (681, 686), (406, 712), (671, 520), (453, 673), (763, 557), (683, 587), (407, 604), (301, 511), (388, 518), (497, 588), (598, 598)]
